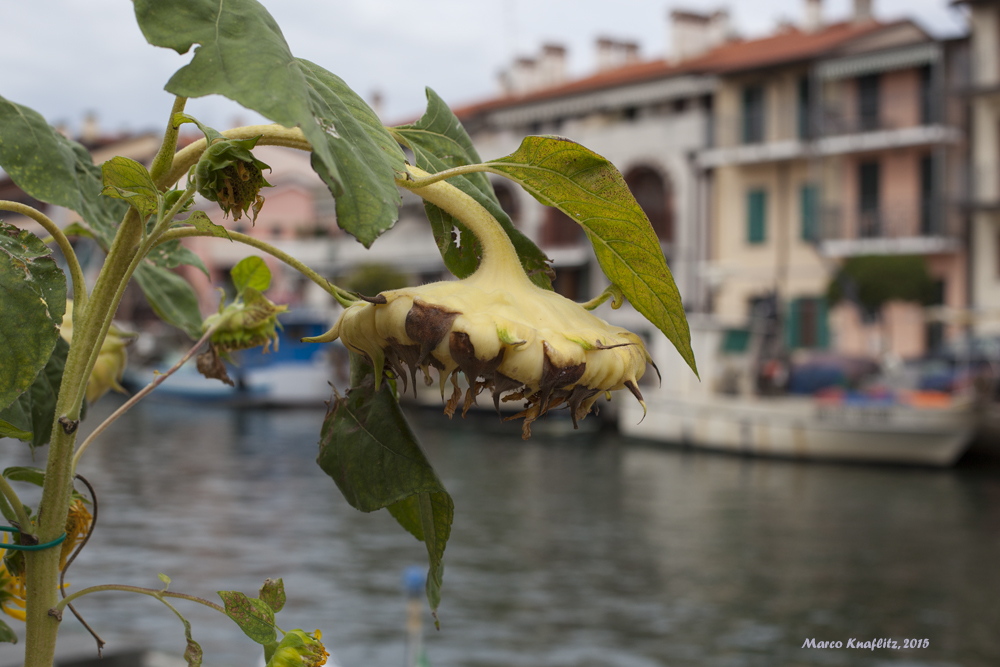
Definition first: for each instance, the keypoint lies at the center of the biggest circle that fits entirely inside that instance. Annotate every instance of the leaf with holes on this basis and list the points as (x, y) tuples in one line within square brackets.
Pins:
[(33, 412), (32, 300), (586, 187)]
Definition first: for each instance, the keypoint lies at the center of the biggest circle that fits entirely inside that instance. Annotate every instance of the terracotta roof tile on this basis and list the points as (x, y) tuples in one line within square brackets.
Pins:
[(786, 47)]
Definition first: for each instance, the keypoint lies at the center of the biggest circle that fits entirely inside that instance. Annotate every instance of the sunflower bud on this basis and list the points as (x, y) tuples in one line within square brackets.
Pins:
[(299, 649), (229, 174), (500, 330), (249, 322), (111, 361)]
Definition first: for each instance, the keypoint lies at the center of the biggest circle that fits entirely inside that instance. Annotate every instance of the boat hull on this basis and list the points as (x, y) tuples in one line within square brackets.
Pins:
[(805, 428)]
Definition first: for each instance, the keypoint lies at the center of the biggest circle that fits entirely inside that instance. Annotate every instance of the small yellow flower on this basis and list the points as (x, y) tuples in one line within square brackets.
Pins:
[(300, 649), (12, 594), (77, 526)]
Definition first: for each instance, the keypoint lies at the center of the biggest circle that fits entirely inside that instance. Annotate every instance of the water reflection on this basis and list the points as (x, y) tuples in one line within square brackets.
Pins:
[(587, 551)]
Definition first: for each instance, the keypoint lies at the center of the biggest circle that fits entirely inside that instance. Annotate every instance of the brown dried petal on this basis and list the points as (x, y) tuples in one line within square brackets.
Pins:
[(463, 352), (210, 365), (408, 354), (427, 325), (553, 376), (576, 398), (501, 384)]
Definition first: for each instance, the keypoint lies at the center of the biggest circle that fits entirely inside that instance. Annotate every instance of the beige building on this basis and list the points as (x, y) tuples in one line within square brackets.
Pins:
[(983, 195), (832, 142)]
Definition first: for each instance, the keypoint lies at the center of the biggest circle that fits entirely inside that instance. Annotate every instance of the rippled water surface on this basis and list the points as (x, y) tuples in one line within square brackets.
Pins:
[(595, 550)]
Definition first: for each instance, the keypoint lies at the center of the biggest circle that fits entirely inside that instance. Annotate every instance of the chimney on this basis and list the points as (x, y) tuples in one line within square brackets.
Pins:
[(378, 103), (813, 18), (612, 53), (693, 34), (527, 75), (90, 132), (862, 11), (552, 65)]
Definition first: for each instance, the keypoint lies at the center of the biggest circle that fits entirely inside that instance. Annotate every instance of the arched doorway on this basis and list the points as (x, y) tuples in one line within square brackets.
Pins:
[(655, 197)]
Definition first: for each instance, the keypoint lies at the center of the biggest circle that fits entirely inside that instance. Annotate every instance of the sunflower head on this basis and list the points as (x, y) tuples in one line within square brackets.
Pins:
[(250, 321)]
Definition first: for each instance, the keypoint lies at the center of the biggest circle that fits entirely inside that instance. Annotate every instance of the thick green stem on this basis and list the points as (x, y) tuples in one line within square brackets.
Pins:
[(152, 592), (75, 272), (499, 255), (342, 296), (16, 504), (165, 156), (43, 566)]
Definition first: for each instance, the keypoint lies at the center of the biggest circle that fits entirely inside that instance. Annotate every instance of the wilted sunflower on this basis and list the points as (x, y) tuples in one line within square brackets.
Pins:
[(299, 649), (498, 328)]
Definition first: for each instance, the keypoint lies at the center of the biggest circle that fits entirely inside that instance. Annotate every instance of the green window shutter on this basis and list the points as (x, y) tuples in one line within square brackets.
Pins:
[(792, 324), (822, 325), (756, 216), (809, 197)]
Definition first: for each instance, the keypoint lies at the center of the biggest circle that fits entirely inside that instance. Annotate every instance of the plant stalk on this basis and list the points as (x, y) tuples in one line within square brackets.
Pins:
[(139, 396), (152, 592), (42, 567), (342, 296)]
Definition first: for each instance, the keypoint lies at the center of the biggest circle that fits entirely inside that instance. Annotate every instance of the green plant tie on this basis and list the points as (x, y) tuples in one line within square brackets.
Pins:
[(29, 547)]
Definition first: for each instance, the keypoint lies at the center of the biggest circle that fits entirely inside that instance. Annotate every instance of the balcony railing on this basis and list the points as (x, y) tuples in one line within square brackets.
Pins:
[(932, 218)]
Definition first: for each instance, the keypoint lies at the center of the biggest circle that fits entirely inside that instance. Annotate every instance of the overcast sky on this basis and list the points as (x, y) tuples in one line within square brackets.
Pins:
[(66, 57)]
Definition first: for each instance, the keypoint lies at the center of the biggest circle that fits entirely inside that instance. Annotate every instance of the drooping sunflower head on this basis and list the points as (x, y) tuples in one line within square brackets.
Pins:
[(518, 341)]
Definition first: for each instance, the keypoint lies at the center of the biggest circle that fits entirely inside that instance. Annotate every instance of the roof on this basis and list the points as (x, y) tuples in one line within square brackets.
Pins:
[(789, 46)]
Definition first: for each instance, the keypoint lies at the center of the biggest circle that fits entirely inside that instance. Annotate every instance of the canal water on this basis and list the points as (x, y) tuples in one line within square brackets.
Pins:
[(566, 551)]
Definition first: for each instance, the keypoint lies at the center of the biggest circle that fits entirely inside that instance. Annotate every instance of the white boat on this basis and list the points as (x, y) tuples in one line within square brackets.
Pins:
[(723, 413)]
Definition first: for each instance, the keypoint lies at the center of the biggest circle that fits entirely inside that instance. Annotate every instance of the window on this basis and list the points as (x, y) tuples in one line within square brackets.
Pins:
[(654, 197), (756, 216), (928, 211), (559, 230), (508, 201), (869, 222), (804, 120), (806, 324), (753, 114), (809, 207), (868, 102), (926, 96)]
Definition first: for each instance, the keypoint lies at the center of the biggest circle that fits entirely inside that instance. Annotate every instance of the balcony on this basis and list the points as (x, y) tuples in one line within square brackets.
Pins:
[(922, 229)]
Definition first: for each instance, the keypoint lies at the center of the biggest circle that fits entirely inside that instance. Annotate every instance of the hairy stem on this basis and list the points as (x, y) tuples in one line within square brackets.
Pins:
[(270, 135), (42, 567), (152, 592), (22, 517), (139, 396), (342, 296), (75, 272), (165, 156)]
